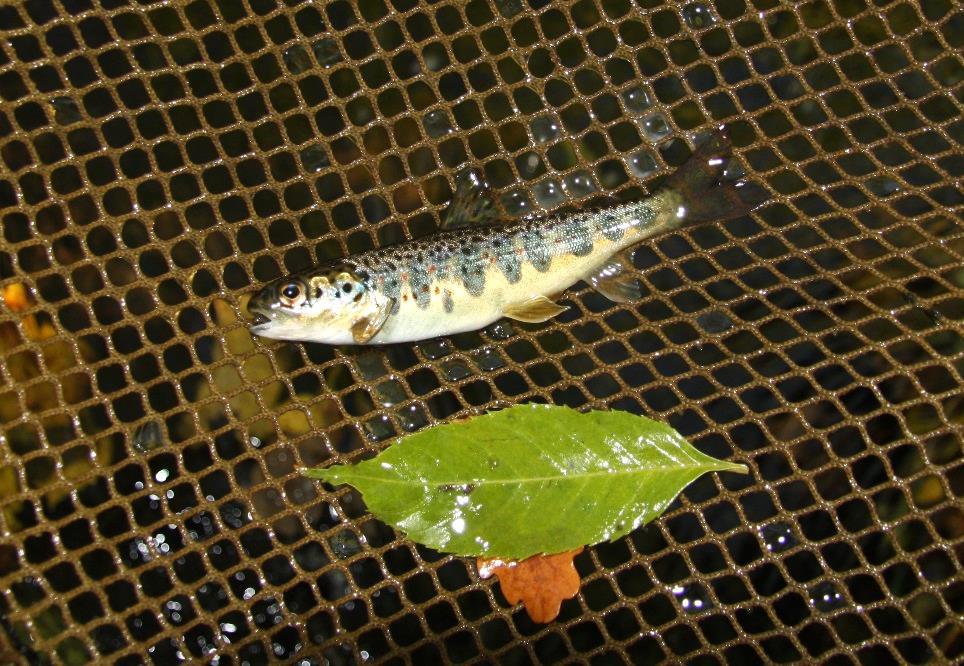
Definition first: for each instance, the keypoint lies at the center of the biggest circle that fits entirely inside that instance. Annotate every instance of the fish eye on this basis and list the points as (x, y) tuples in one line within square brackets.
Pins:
[(291, 294)]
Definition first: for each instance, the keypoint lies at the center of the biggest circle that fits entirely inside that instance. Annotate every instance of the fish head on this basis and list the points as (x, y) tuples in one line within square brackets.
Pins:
[(318, 306)]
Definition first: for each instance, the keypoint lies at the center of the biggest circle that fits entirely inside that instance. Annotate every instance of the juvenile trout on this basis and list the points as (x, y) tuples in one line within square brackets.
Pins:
[(464, 279)]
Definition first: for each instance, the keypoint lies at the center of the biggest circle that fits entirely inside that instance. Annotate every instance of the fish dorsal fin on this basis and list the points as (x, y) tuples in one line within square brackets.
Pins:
[(534, 310), (366, 328), (614, 280), (472, 203)]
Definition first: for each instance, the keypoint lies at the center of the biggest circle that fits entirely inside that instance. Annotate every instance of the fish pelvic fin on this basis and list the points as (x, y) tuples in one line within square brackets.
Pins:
[(534, 310), (701, 191), (366, 328), (615, 280)]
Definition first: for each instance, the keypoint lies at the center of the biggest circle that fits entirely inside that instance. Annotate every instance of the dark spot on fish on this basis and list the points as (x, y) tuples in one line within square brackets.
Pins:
[(317, 292), (358, 297), (346, 288)]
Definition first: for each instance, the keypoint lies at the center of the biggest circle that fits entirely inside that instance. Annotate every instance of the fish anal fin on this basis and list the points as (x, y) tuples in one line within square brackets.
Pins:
[(534, 310), (614, 280), (366, 328), (472, 203)]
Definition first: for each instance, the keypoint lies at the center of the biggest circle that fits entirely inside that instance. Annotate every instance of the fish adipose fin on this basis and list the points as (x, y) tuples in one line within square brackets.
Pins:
[(368, 327), (615, 282), (705, 194), (472, 204), (535, 310)]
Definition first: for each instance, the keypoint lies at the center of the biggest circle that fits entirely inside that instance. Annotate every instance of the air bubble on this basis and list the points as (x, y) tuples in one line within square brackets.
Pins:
[(637, 99), (437, 123), (314, 158), (516, 202), (697, 15), (714, 321), (326, 52), (297, 60), (655, 127), (549, 193), (578, 184), (643, 164), (544, 129)]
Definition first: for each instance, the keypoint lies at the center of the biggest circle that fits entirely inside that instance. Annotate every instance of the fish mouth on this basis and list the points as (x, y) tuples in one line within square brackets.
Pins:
[(260, 320)]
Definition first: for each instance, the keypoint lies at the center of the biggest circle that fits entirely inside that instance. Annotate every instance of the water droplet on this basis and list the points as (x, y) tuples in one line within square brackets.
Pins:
[(778, 536), (544, 128), (578, 184), (692, 597), (437, 123), (344, 544), (458, 525), (697, 15), (637, 99), (370, 365), (455, 370), (549, 192), (314, 158), (488, 359), (516, 202), (882, 186), (509, 8), (655, 127), (65, 110), (326, 51), (500, 330), (413, 418), (643, 164), (435, 349), (297, 59), (530, 165), (825, 596), (379, 429), (714, 321), (390, 392)]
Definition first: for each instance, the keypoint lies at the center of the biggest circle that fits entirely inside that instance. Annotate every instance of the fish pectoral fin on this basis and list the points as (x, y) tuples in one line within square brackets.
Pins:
[(366, 328), (614, 281), (534, 310), (472, 203)]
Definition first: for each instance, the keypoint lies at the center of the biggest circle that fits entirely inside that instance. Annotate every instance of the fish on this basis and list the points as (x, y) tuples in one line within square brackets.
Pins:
[(479, 268)]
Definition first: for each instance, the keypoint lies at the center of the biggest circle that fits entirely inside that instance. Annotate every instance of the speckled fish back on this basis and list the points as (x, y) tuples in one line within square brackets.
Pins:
[(420, 269)]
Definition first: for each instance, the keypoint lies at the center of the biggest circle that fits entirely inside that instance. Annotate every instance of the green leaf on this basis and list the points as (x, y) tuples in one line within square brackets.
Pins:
[(528, 479)]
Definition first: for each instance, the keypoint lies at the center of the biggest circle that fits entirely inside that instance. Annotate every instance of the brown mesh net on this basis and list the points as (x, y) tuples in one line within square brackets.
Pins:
[(160, 159)]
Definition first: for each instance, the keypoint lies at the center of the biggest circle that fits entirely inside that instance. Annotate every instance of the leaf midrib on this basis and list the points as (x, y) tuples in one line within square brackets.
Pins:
[(534, 479)]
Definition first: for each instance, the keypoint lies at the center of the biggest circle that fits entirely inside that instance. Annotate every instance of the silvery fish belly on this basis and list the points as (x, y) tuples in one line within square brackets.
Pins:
[(463, 279)]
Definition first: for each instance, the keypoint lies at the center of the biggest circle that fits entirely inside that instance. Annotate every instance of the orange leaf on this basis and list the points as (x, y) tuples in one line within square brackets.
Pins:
[(540, 582)]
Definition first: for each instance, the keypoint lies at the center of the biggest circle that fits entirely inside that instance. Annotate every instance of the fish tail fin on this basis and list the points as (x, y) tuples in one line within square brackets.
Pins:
[(704, 193)]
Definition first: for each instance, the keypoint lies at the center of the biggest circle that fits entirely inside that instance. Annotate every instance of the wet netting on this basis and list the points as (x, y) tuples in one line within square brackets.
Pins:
[(160, 160)]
